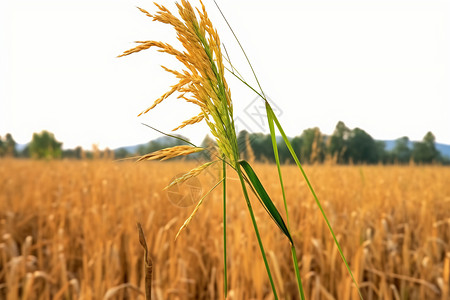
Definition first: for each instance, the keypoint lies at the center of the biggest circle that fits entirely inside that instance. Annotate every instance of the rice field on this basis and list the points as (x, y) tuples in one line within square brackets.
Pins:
[(68, 231)]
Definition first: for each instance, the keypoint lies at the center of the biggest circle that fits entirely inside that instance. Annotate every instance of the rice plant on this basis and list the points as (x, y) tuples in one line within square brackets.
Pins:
[(202, 82)]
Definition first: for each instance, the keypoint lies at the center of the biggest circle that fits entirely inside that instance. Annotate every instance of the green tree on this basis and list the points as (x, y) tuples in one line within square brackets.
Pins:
[(313, 145), (2, 147), (73, 153), (381, 154), (425, 151), (242, 137), (283, 151), (44, 146), (362, 147), (262, 146), (401, 152), (296, 143), (7, 146), (338, 146), (121, 153), (10, 145)]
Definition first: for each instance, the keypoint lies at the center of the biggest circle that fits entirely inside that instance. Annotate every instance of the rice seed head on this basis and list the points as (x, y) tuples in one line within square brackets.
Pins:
[(188, 220), (171, 152), (202, 81), (191, 121), (145, 12), (200, 202), (192, 173)]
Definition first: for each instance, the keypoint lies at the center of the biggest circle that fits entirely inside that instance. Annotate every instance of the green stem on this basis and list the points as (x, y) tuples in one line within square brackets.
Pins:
[(297, 272), (308, 183), (171, 135), (225, 281), (255, 226), (277, 160), (245, 82)]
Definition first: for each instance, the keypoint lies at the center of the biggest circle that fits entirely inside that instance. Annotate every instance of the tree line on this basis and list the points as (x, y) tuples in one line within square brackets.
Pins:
[(44, 145), (344, 146)]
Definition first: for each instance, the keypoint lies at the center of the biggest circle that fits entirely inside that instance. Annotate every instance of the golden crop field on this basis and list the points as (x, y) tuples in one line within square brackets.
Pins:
[(68, 231)]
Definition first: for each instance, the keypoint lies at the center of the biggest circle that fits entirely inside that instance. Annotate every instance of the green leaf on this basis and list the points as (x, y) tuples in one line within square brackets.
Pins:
[(266, 201), (271, 116), (277, 160)]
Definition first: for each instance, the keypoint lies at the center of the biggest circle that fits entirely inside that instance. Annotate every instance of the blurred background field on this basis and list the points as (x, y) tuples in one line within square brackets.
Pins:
[(68, 231)]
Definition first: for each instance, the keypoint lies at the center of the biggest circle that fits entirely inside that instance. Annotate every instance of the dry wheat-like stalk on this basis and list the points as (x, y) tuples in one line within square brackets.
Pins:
[(248, 147), (148, 263), (90, 214)]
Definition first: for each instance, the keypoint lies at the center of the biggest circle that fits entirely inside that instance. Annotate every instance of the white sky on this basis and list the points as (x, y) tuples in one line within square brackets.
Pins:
[(380, 65)]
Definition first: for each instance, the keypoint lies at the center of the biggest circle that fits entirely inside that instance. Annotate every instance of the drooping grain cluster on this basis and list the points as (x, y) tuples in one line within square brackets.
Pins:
[(202, 82), (68, 231), (169, 153)]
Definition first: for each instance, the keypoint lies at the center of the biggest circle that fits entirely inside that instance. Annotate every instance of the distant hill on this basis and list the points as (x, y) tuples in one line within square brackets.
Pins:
[(21, 147), (130, 149), (444, 149), (164, 141)]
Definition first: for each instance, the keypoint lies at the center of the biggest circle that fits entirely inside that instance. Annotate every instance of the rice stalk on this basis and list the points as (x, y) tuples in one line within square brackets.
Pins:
[(148, 264), (446, 277), (202, 83), (115, 290), (224, 198)]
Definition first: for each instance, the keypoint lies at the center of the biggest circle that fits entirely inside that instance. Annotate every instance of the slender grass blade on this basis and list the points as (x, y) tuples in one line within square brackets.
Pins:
[(267, 202), (277, 160), (291, 150)]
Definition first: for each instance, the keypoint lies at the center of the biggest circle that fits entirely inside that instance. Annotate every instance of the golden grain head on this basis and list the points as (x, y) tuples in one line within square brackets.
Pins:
[(191, 121), (202, 81), (171, 152), (192, 173)]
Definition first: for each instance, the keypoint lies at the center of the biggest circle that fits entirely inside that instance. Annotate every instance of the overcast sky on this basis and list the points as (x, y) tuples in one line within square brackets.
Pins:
[(379, 65)]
